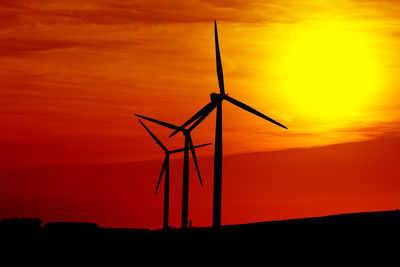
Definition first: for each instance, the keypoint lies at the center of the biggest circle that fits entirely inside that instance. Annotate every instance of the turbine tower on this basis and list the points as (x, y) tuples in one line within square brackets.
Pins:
[(185, 182), (216, 102)]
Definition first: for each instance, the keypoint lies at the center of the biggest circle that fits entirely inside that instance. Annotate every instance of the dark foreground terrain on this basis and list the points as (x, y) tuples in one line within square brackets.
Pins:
[(370, 237)]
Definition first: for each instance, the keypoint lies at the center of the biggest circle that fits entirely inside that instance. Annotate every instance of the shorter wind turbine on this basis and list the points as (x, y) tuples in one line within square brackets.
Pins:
[(185, 182), (165, 167)]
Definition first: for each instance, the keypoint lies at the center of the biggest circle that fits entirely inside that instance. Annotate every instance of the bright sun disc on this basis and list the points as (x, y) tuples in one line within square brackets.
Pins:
[(328, 71)]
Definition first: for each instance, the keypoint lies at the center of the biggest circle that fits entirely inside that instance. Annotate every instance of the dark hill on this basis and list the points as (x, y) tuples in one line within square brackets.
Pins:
[(83, 244)]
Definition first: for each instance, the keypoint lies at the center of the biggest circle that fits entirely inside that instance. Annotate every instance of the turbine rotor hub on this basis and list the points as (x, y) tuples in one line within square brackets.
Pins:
[(215, 97)]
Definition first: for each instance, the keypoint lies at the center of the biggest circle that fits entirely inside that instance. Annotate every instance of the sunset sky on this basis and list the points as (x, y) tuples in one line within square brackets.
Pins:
[(73, 74)]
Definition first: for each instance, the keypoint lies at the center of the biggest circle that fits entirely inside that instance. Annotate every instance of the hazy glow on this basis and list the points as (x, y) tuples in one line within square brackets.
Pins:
[(328, 70)]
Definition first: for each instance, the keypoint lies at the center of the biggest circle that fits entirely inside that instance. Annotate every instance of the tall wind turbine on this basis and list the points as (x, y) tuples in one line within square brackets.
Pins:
[(165, 167), (185, 182), (216, 102)]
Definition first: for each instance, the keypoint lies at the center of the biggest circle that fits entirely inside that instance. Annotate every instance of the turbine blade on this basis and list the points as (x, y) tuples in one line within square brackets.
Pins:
[(205, 114), (252, 110), (193, 118), (219, 63), (183, 149), (194, 158), (161, 174), (165, 124), (152, 135)]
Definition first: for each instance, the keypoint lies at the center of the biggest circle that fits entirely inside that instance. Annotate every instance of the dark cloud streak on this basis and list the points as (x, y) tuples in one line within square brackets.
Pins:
[(126, 12)]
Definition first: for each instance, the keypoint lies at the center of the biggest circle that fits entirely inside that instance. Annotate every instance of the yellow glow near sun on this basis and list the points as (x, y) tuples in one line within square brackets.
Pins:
[(328, 70)]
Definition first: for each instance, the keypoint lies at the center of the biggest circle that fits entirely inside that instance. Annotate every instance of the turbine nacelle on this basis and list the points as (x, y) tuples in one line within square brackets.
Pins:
[(215, 97), (185, 132)]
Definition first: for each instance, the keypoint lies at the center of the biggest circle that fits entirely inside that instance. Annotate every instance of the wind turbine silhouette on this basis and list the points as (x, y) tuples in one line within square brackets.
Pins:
[(165, 167), (216, 102), (185, 182)]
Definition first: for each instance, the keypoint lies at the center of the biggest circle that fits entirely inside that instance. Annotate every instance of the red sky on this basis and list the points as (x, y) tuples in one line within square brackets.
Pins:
[(73, 73), (351, 177)]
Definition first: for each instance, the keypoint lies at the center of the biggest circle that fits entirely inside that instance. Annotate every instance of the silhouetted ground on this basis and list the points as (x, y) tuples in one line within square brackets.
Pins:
[(360, 237)]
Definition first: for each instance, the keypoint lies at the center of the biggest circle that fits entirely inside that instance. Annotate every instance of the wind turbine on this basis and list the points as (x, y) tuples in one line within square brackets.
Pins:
[(165, 167), (216, 102), (185, 182)]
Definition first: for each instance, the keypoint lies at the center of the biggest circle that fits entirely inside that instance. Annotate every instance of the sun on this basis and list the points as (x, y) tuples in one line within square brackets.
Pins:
[(328, 70)]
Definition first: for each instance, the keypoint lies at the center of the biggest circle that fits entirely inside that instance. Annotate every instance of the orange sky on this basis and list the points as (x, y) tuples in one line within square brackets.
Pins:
[(73, 73)]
